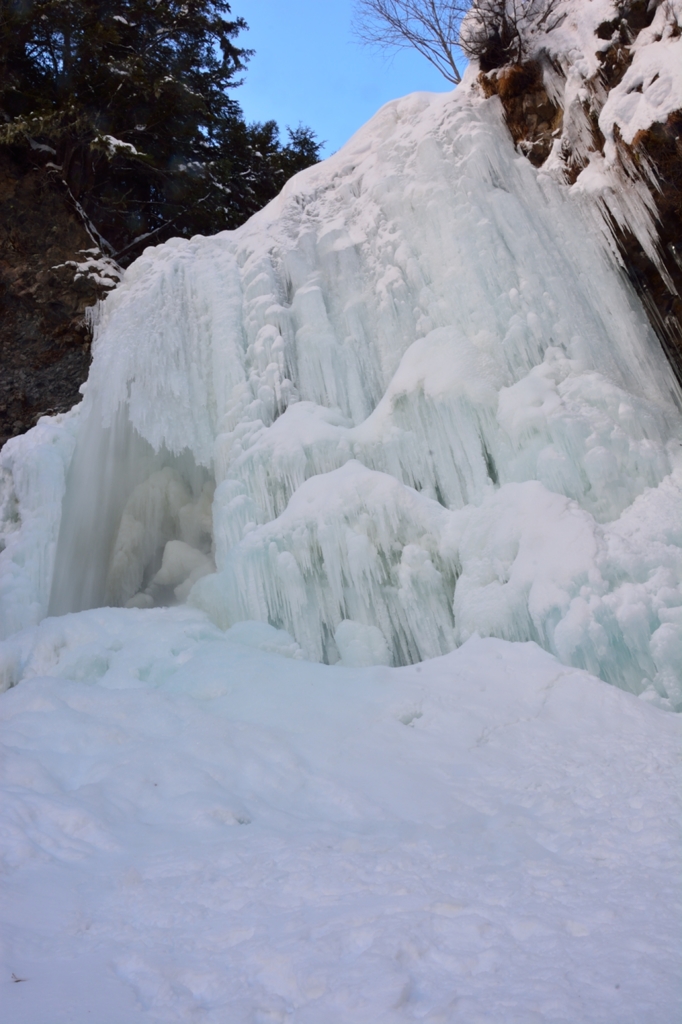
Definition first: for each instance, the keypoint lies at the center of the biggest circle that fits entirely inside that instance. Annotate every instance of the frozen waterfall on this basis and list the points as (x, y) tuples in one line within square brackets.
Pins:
[(413, 399)]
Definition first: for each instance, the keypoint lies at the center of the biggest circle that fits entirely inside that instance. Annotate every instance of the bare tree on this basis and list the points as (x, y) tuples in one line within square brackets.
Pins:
[(500, 32), (429, 26)]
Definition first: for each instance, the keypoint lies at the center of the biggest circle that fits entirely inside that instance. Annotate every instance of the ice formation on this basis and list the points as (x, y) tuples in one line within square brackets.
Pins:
[(428, 401), (569, 42)]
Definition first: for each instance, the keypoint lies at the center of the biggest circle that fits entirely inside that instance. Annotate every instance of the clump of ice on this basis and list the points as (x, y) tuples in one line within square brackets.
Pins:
[(181, 567), (33, 470), (159, 511), (361, 645), (351, 545)]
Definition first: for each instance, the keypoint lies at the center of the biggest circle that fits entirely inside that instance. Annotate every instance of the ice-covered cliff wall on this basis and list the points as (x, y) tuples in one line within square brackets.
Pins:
[(428, 400), (592, 93)]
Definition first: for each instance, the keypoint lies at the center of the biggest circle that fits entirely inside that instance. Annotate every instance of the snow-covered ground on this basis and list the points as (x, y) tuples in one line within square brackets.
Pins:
[(199, 830), (411, 414)]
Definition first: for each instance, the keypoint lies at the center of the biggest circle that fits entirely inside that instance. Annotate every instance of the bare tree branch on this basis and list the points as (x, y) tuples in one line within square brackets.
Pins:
[(429, 26)]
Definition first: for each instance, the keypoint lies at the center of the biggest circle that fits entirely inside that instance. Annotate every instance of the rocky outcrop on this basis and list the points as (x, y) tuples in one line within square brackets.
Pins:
[(47, 258), (533, 119)]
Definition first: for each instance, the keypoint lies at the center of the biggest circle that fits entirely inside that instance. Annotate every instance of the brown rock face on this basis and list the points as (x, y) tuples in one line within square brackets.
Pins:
[(532, 118), (44, 340), (660, 148)]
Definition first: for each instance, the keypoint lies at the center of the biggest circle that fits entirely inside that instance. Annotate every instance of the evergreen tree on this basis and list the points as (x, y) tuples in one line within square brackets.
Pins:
[(129, 99)]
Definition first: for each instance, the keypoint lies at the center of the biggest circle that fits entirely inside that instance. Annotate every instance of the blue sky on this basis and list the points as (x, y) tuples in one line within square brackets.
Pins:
[(308, 68)]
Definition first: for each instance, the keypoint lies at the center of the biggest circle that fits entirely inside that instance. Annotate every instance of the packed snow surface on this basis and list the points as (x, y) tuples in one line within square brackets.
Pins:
[(201, 826), (413, 415)]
